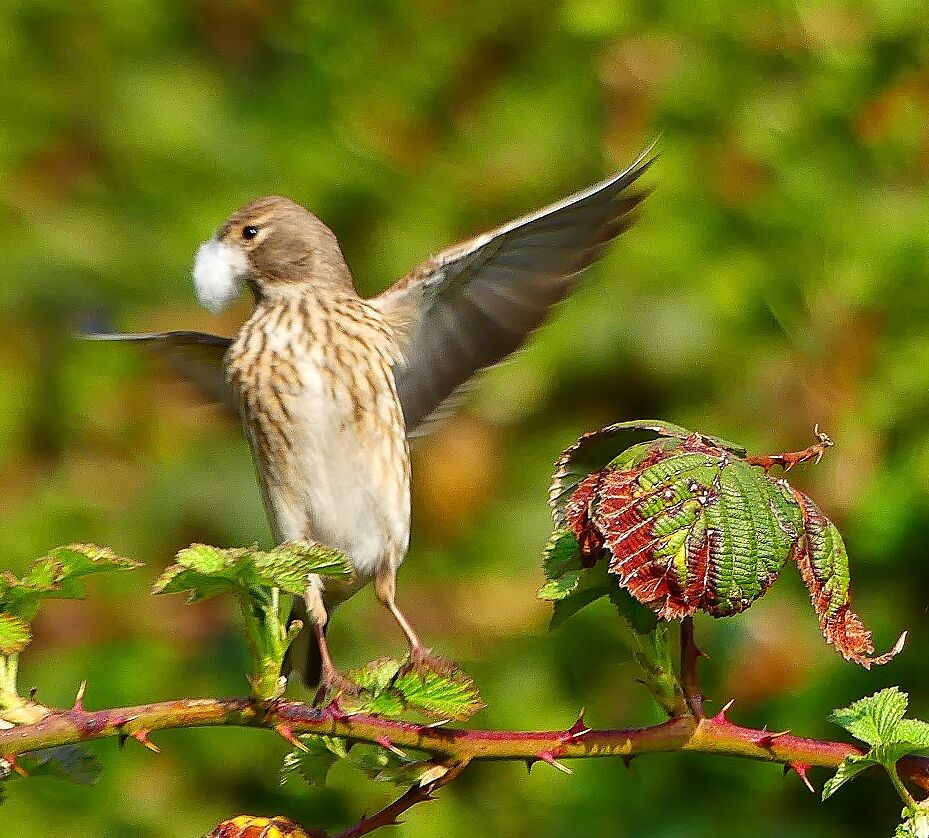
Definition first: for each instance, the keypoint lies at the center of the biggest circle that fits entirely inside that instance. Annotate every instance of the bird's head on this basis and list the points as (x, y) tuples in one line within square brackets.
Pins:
[(274, 246)]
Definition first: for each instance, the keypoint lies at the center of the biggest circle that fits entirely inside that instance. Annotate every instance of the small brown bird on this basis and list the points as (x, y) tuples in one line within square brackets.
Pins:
[(330, 385)]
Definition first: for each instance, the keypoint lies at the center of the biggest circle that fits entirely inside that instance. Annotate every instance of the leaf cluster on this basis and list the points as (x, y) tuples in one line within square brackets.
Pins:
[(58, 575), (684, 522), (257, 578)]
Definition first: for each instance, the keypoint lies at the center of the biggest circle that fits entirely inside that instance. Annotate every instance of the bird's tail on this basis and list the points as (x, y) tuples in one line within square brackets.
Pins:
[(303, 656)]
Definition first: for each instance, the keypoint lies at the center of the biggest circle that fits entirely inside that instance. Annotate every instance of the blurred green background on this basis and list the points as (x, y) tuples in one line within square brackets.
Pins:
[(778, 278)]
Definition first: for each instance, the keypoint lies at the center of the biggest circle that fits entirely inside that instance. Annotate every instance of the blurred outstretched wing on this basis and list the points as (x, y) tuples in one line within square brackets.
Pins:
[(196, 357), (471, 305)]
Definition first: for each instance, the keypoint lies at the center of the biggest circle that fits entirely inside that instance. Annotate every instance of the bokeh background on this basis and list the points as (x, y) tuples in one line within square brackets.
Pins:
[(778, 278)]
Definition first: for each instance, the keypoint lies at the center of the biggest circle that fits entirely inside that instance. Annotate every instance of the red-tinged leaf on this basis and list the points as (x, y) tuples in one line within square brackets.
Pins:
[(595, 450), (689, 527), (823, 563)]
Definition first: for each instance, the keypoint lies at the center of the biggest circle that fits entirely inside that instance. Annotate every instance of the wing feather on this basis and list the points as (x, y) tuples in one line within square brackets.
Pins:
[(476, 302)]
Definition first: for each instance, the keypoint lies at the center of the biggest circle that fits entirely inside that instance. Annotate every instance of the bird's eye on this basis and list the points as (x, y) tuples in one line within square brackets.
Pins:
[(249, 232)]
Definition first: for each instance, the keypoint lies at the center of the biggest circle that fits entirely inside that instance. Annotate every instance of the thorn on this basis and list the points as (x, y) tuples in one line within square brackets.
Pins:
[(576, 731), (384, 742), (79, 698), (766, 740), (433, 725), (287, 734), (141, 736), (720, 717), (549, 757), (801, 769), (333, 712)]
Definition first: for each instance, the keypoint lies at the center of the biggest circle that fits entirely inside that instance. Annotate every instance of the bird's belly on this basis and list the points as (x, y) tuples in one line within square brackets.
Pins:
[(337, 470)]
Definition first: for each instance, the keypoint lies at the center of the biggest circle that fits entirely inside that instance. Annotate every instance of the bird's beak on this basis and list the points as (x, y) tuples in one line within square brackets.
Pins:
[(219, 272)]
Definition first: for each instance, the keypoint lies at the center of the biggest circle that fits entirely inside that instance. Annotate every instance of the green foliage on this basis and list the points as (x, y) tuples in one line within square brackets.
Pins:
[(14, 634), (777, 272), (256, 579), (915, 825), (434, 688), (689, 522), (380, 763), (879, 722), (57, 576), (206, 571)]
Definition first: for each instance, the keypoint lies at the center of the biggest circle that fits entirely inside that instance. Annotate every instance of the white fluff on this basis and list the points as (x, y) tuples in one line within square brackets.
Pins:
[(218, 273)]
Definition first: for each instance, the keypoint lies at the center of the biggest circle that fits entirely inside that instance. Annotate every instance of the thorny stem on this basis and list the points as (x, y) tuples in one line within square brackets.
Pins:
[(389, 814), (690, 654), (789, 460), (714, 735)]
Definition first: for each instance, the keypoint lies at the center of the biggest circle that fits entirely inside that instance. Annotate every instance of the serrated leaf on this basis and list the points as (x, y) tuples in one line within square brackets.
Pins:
[(690, 527), (594, 450), (313, 764), (915, 733), (875, 719), (823, 563), (446, 693), (290, 565), (559, 588), (849, 768), (641, 620), (562, 554), (208, 560), (878, 721), (14, 634), (57, 575), (177, 579), (375, 680)]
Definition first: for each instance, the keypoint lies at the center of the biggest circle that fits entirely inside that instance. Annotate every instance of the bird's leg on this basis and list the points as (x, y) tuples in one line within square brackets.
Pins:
[(330, 678), (385, 586)]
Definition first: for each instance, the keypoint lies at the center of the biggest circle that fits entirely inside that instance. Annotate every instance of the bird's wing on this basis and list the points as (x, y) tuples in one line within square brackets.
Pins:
[(195, 356), (471, 305)]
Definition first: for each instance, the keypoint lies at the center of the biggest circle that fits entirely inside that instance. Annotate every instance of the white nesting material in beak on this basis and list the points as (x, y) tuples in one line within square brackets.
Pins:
[(218, 273)]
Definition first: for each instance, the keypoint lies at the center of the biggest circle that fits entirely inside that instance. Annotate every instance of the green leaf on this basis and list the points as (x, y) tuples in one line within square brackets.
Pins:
[(289, 566), (570, 605), (878, 721), (915, 825), (206, 571), (443, 692), (874, 720), (850, 768), (562, 554), (14, 634), (377, 696), (641, 620), (57, 575), (313, 764), (556, 589)]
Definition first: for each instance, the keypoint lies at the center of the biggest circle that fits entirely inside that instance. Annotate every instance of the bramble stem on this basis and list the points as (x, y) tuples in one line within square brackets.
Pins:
[(389, 814), (690, 654), (683, 733)]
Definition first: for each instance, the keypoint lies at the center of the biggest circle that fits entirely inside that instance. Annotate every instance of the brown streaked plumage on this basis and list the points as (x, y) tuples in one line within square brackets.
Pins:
[(329, 385)]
